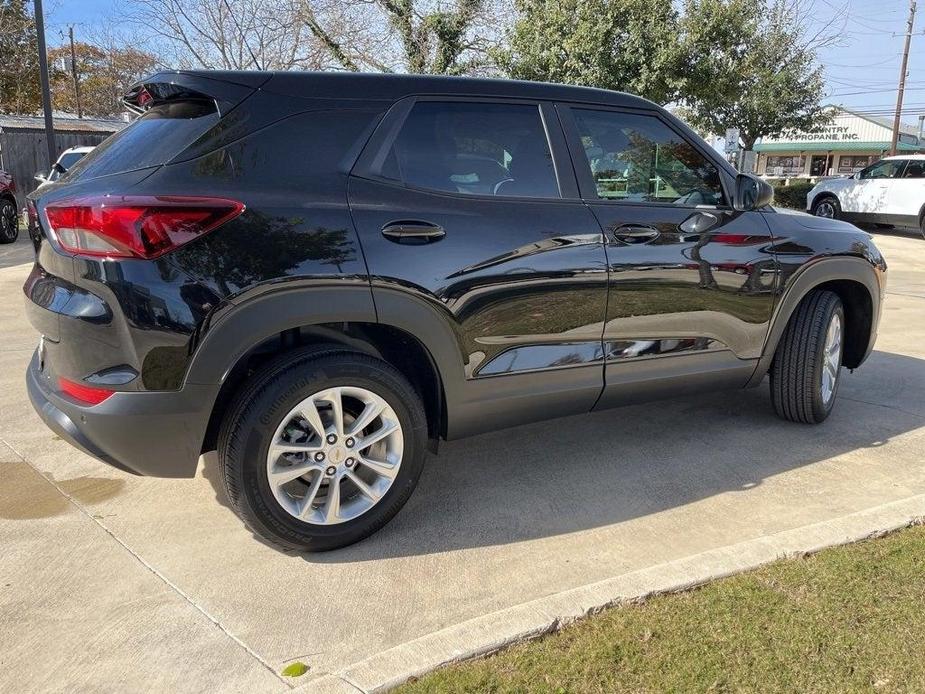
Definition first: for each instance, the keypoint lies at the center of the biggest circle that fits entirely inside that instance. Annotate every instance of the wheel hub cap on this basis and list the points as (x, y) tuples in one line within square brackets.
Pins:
[(335, 455), (831, 356)]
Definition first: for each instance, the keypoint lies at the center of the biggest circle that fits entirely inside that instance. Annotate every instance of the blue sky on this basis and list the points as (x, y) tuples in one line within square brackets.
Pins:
[(862, 70)]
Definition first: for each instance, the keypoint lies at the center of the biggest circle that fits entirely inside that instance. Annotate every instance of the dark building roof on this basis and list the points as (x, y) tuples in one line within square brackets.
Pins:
[(61, 124), (362, 85)]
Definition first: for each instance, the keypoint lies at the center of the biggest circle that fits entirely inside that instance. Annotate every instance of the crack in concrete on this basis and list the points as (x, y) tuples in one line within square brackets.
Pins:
[(880, 404), (170, 584), (911, 296)]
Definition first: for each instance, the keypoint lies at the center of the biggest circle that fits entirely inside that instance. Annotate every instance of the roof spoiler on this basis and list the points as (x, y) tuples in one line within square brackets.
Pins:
[(181, 85)]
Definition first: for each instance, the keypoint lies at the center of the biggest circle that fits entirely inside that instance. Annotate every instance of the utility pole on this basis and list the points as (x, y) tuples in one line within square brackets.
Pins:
[(921, 128), (902, 78), (43, 74), (70, 33)]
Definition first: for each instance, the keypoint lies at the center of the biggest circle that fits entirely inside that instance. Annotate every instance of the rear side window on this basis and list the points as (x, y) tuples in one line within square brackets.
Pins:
[(155, 138), (474, 149), (638, 158)]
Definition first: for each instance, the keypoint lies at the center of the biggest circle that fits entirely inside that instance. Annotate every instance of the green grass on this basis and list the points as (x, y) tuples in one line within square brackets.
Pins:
[(847, 619)]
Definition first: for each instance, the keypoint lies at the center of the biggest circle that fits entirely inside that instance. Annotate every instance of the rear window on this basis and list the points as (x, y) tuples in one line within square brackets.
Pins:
[(155, 138)]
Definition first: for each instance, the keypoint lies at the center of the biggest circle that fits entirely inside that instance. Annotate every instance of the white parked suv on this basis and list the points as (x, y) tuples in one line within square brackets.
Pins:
[(892, 192), (68, 158)]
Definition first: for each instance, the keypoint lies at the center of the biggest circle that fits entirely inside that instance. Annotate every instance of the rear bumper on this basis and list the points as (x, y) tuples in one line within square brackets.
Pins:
[(159, 434)]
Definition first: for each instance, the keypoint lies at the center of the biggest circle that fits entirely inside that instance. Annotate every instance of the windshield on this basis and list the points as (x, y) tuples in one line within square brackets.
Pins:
[(65, 162)]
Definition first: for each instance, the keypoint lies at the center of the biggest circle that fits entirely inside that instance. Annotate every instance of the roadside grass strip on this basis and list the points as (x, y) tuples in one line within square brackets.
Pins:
[(849, 618)]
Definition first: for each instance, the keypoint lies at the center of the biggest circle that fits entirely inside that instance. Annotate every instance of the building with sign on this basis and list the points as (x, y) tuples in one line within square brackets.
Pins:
[(846, 145)]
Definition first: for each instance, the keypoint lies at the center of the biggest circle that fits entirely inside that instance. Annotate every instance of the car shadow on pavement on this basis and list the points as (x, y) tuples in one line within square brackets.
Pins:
[(899, 232), (589, 471), (17, 253)]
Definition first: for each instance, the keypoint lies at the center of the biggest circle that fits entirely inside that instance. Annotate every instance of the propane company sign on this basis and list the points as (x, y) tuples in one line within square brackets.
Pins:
[(831, 133), (845, 127)]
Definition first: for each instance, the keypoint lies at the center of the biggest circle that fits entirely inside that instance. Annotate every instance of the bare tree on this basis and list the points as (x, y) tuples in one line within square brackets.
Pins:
[(419, 36), (228, 34), (105, 71)]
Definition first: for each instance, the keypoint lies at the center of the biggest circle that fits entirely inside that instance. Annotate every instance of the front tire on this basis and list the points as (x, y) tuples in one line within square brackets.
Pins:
[(322, 448), (826, 206), (806, 369), (9, 222)]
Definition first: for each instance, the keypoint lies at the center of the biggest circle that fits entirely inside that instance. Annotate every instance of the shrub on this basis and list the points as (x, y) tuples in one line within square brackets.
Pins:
[(792, 196)]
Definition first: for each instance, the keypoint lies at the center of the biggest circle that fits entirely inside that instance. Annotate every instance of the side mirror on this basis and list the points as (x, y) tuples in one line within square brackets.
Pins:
[(40, 177), (752, 193)]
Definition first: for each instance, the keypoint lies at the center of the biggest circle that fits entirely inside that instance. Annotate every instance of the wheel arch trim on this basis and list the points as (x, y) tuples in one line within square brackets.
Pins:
[(809, 277), (248, 323)]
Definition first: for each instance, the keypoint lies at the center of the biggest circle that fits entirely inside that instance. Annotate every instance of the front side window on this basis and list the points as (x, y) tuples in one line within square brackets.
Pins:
[(638, 158), (887, 168), (474, 149)]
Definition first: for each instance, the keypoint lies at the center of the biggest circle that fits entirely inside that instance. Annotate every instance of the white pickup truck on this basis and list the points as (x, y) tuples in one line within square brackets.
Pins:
[(891, 191)]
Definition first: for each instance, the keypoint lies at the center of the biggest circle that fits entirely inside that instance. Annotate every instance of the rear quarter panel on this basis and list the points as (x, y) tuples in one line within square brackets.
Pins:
[(286, 158)]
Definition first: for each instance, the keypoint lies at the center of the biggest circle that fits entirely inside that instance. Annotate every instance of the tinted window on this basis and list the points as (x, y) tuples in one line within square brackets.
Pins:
[(914, 169), (473, 148), (640, 159), (882, 169), (155, 138)]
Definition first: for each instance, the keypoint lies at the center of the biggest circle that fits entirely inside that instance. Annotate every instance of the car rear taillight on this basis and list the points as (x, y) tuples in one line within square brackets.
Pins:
[(86, 395), (135, 226)]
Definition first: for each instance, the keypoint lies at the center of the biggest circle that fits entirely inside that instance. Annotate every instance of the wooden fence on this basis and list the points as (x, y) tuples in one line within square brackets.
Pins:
[(23, 153)]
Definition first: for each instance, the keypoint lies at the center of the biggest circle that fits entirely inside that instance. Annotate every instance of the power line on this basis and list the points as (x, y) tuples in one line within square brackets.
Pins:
[(869, 65), (864, 83), (872, 91)]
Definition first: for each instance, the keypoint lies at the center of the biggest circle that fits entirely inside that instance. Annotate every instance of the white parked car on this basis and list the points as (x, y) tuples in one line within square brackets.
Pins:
[(891, 191), (68, 158)]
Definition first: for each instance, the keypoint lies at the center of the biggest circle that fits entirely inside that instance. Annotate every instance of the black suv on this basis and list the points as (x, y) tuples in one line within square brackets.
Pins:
[(321, 275)]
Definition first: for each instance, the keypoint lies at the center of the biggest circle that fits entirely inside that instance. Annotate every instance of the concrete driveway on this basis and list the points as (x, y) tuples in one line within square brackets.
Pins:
[(115, 583)]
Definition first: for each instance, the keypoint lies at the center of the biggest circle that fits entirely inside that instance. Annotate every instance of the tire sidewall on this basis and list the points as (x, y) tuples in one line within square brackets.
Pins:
[(821, 409), (262, 416)]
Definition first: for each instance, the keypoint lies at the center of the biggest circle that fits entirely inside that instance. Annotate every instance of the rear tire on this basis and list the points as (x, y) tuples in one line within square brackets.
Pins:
[(807, 364), (307, 512), (9, 222), (826, 206)]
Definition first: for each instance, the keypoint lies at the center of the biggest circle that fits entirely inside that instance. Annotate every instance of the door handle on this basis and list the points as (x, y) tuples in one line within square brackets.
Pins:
[(636, 233), (413, 232)]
